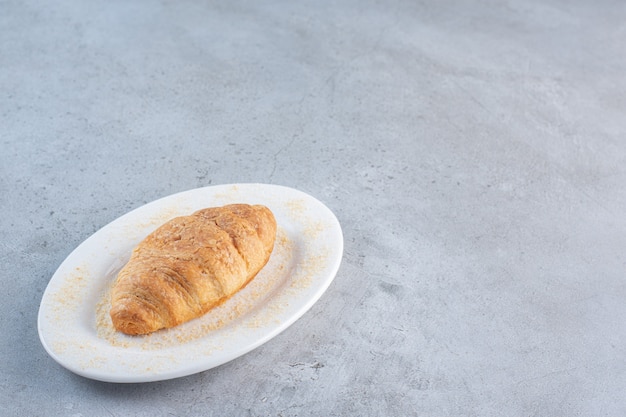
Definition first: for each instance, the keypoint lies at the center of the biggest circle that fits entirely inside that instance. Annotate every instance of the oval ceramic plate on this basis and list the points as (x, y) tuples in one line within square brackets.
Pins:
[(74, 324)]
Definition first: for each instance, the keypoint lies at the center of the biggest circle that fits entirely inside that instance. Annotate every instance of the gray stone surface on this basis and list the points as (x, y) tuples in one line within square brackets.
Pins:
[(473, 151)]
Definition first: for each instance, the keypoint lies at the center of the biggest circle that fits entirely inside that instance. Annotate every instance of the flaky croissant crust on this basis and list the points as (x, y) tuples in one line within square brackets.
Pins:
[(190, 265)]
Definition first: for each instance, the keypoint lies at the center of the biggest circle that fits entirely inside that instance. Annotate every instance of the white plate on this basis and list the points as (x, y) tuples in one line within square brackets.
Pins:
[(75, 328)]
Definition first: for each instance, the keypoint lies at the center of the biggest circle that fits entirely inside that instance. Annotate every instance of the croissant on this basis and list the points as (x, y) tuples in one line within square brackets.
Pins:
[(190, 265)]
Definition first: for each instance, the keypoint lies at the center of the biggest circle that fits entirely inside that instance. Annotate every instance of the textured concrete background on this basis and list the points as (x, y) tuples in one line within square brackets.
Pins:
[(473, 151)]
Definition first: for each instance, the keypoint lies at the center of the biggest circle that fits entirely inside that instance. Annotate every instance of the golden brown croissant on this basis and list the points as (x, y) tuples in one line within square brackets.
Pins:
[(190, 265)]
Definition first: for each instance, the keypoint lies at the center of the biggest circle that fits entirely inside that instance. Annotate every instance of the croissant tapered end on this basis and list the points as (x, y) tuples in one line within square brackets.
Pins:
[(190, 265), (134, 319)]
